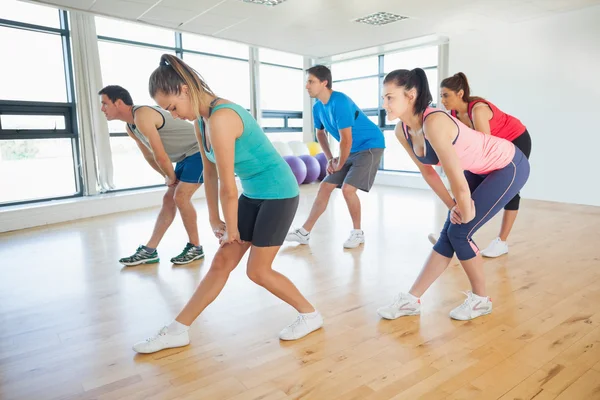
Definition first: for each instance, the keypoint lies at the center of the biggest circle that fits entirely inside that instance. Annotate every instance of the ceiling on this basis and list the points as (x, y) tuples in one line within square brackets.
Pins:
[(320, 28)]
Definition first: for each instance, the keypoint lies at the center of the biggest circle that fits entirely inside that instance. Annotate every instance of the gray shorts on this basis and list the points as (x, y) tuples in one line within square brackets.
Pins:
[(359, 170)]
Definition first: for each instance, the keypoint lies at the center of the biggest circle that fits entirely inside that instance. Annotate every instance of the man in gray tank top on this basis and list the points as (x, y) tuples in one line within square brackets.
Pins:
[(163, 141)]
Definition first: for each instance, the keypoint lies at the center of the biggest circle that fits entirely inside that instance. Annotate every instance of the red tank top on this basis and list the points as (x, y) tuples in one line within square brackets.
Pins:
[(502, 125), (478, 153)]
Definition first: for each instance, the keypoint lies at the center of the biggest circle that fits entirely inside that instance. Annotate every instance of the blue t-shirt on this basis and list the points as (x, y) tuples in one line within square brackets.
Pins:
[(340, 112)]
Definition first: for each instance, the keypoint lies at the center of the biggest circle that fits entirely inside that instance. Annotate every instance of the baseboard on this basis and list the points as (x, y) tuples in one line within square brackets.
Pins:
[(39, 214)]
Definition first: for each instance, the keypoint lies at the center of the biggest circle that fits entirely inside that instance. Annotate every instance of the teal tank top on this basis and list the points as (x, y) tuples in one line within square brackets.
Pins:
[(263, 172)]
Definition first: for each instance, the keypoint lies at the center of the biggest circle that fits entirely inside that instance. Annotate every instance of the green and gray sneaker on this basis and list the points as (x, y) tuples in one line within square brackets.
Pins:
[(141, 256), (190, 253)]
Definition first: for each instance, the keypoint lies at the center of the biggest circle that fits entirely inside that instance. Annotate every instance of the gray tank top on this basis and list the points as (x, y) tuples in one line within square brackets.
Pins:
[(178, 137)]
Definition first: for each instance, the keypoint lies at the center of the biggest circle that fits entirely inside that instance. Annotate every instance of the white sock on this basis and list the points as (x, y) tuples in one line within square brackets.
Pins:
[(303, 231), (358, 231), (413, 298), (310, 314), (177, 327)]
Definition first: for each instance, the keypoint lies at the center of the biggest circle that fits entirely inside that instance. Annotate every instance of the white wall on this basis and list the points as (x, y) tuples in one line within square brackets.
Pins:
[(546, 72)]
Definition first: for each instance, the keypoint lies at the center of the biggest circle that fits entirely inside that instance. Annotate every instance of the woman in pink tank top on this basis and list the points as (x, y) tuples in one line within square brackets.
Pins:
[(485, 117), (485, 172)]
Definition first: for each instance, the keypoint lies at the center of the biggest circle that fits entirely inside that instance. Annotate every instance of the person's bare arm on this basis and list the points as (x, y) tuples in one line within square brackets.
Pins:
[(427, 171), (147, 120), (145, 152)]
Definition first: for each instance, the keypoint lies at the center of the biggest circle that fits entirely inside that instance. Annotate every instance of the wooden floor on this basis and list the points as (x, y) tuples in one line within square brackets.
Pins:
[(69, 312)]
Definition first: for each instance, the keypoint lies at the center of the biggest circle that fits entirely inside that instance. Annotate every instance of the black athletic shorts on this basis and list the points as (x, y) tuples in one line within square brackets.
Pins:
[(523, 142), (266, 223)]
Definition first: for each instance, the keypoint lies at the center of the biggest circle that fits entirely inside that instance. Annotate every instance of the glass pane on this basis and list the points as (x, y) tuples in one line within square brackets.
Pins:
[(39, 74), (116, 127), (30, 13), (395, 156), (363, 92), (130, 167), (211, 45), (284, 136), (272, 122), (295, 122), (421, 57), (281, 88), (130, 67), (374, 118), (18, 122), (355, 68), (432, 79), (135, 32), (229, 79), (36, 169), (280, 57)]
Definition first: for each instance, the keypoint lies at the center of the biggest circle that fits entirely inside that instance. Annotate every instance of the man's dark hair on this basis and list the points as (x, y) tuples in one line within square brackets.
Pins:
[(322, 73), (116, 92)]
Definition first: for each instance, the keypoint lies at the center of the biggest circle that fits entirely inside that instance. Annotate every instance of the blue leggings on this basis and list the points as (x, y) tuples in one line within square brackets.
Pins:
[(490, 193)]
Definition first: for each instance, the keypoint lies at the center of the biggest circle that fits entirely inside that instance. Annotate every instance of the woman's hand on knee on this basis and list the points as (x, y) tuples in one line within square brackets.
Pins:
[(458, 217), (230, 236), (455, 216)]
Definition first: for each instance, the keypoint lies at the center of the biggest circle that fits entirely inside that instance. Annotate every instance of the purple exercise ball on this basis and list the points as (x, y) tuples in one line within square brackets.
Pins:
[(298, 167), (313, 168), (323, 162)]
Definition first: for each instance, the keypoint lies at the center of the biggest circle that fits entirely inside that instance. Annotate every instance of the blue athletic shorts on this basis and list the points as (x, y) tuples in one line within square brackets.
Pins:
[(190, 169)]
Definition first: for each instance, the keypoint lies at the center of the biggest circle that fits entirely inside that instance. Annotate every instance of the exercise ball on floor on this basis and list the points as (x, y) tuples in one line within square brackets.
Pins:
[(283, 149), (298, 167), (323, 162), (314, 148), (313, 168), (298, 148)]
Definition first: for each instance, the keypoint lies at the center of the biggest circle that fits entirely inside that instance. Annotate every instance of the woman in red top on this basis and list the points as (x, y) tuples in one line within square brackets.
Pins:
[(483, 116)]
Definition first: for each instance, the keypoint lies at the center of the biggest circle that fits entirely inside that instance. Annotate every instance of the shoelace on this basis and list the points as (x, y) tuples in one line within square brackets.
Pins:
[(398, 300), (467, 302), (162, 332), (185, 251), (297, 322), (354, 235)]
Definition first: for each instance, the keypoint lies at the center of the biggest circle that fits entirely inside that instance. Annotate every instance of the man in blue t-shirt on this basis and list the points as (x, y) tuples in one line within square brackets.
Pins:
[(361, 148)]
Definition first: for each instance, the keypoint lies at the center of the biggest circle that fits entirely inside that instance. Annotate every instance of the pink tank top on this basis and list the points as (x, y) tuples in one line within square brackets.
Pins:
[(502, 125), (478, 153)]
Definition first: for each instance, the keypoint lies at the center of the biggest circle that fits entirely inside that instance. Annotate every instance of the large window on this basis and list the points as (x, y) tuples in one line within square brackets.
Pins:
[(213, 46), (129, 66), (282, 84), (361, 80), (38, 131), (395, 157), (228, 78)]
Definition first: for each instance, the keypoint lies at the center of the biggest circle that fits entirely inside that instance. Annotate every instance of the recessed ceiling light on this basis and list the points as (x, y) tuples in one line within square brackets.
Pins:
[(264, 2), (380, 18)]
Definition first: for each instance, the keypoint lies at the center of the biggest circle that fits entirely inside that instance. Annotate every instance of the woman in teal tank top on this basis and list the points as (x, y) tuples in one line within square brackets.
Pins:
[(232, 142)]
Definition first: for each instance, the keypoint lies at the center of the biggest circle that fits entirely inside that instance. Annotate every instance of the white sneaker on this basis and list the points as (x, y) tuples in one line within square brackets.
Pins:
[(433, 238), (404, 304), (495, 249), (357, 237), (473, 307), (162, 340), (302, 326), (297, 236)]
